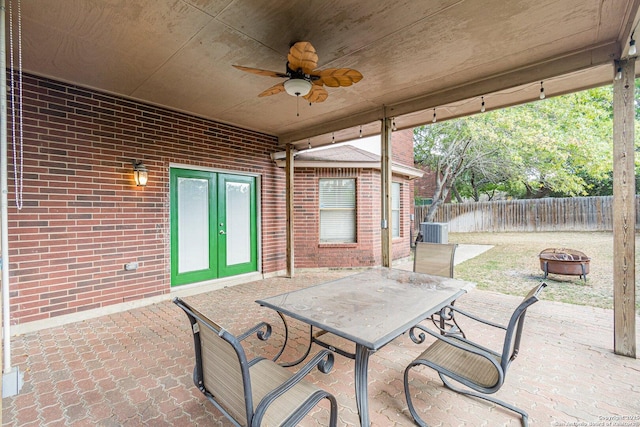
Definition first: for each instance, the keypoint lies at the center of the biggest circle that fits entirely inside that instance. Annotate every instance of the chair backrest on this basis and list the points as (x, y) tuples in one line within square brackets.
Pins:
[(221, 367), (434, 258), (513, 334)]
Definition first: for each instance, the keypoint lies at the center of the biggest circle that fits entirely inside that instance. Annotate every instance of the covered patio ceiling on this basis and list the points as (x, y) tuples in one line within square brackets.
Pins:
[(415, 55)]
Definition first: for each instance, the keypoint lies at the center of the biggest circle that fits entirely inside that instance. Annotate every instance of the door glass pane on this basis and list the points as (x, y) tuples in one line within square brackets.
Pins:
[(238, 198), (193, 224)]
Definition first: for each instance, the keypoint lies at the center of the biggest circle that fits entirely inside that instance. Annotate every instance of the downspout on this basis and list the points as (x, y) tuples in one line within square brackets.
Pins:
[(4, 244), (11, 378)]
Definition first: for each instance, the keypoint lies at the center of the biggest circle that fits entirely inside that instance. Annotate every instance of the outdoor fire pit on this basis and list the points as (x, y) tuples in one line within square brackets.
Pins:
[(564, 261)]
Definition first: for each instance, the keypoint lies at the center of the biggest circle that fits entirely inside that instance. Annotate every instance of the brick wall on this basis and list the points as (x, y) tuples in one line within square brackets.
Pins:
[(310, 253), (402, 146), (425, 187), (83, 217)]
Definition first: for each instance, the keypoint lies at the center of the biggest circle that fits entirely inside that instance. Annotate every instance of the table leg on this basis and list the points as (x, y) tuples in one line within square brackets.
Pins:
[(361, 382)]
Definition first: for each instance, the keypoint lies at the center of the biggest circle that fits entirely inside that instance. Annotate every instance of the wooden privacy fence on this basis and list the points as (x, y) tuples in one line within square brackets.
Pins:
[(549, 214)]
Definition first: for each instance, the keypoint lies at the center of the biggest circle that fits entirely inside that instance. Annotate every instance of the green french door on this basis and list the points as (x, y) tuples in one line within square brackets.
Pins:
[(213, 225)]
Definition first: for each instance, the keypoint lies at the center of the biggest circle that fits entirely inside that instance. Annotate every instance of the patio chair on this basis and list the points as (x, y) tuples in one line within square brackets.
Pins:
[(252, 392), (437, 259), (469, 363), (434, 258)]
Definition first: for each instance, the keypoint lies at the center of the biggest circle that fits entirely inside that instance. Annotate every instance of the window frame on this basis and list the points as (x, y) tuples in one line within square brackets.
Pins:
[(396, 210), (340, 206)]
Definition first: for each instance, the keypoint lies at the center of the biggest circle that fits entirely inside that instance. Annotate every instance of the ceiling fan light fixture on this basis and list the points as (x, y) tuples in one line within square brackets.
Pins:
[(297, 87), (302, 77)]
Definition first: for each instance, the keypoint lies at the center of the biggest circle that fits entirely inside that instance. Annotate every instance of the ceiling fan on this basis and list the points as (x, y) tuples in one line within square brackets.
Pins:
[(302, 77)]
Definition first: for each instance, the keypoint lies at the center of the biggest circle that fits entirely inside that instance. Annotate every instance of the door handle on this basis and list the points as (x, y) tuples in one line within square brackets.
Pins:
[(222, 232)]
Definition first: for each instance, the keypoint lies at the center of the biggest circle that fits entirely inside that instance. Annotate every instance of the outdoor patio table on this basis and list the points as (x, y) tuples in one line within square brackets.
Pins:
[(370, 309)]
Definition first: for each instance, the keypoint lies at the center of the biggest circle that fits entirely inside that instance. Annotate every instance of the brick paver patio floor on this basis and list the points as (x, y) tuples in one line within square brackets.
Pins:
[(134, 368)]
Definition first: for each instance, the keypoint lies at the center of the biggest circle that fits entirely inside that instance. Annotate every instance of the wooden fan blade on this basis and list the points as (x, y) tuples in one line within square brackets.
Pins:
[(336, 77), (260, 72), (317, 94), (273, 90), (302, 55)]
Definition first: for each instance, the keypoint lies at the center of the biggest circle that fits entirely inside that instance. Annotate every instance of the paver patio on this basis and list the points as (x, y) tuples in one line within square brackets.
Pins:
[(134, 368)]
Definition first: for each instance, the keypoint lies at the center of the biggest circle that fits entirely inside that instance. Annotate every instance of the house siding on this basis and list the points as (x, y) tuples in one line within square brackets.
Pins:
[(402, 152), (83, 217), (402, 146), (311, 253), (425, 187)]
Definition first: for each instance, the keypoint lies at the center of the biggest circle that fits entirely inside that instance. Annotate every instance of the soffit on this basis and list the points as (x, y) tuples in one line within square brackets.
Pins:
[(415, 55)]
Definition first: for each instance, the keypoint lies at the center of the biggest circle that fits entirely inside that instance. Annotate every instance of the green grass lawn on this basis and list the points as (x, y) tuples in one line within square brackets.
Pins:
[(512, 265)]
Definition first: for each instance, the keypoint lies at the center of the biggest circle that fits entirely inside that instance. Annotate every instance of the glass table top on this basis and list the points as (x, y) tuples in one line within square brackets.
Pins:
[(370, 308)]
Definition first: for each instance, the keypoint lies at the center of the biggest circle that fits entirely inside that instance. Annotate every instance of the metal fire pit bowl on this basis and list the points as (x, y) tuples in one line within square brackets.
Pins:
[(564, 261)]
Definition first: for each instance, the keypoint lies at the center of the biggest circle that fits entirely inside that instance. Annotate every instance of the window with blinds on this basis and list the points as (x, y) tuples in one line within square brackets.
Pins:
[(395, 209), (337, 210)]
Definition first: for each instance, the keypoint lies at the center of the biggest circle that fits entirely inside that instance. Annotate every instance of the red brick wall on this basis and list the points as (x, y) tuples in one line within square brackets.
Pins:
[(402, 146), (83, 217), (310, 253), (425, 187)]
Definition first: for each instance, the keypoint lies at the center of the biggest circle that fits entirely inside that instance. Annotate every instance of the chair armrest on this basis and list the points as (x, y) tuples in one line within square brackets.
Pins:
[(456, 342), (262, 335), (419, 339), (474, 317), (323, 360)]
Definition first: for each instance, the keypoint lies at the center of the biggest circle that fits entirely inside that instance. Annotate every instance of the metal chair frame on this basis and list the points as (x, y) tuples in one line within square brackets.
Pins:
[(438, 259), (451, 355), (279, 380)]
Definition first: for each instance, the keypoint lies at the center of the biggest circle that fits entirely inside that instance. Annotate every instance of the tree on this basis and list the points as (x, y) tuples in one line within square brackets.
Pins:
[(492, 163), (561, 146), (564, 143), (451, 149)]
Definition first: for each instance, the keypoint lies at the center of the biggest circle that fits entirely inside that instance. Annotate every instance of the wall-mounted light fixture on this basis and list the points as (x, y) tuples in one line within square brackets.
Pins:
[(140, 173)]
